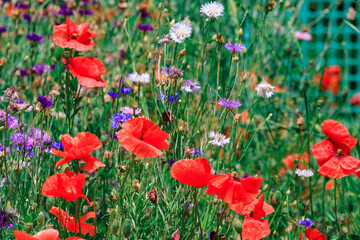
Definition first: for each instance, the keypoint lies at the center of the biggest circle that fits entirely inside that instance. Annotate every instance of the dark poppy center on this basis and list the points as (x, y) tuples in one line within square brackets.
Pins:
[(74, 36), (236, 178)]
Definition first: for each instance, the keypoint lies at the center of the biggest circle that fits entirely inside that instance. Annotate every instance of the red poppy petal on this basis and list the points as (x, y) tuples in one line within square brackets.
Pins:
[(137, 146), (20, 235), (61, 28), (85, 143), (332, 169), (254, 229), (196, 173), (47, 234), (83, 45), (63, 162), (67, 142), (99, 65), (92, 163), (323, 151), (349, 163), (75, 238), (314, 234), (252, 186), (338, 133), (63, 215), (91, 82), (60, 39), (58, 153), (87, 216), (87, 229)]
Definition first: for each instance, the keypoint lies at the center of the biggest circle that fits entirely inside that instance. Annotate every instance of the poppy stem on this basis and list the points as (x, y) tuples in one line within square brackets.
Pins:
[(323, 205), (94, 204), (127, 173), (219, 221), (197, 212), (335, 199)]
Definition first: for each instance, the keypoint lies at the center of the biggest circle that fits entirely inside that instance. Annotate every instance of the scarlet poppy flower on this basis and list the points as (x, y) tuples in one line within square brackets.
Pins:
[(289, 161), (196, 173), (87, 70), (234, 190), (253, 227), (65, 185), (313, 234), (80, 147), (74, 36), (330, 79), (332, 154), (69, 221), (143, 138), (330, 185), (244, 209), (47, 234)]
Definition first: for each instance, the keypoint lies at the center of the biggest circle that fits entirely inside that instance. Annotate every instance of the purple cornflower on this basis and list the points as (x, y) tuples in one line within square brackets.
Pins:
[(196, 152), (3, 29), (83, 12), (64, 10), (172, 72), (171, 162), (12, 121), (27, 17), (174, 98), (39, 69), (21, 5), (57, 145), (6, 219), (119, 118), (165, 40), (234, 47), (145, 27), (306, 223), (229, 103), (125, 90), (190, 86), (23, 72), (245, 175), (113, 94), (33, 37), (45, 101)]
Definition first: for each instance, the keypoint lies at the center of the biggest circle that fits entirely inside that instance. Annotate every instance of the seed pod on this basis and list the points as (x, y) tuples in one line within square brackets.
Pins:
[(115, 227), (85, 209), (345, 230), (28, 227), (41, 218), (237, 225), (126, 229), (276, 199), (50, 202)]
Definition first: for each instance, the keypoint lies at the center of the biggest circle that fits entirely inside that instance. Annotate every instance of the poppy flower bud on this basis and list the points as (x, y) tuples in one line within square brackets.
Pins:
[(293, 204), (115, 227), (285, 204), (85, 209), (182, 53), (265, 187), (276, 199), (153, 196), (104, 139), (329, 229), (126, 229), (137, 186), (342, 217), (240, 32), (237, 225), (41, 218), (50, 202), (28, 227), (97, 114), (345, 230)]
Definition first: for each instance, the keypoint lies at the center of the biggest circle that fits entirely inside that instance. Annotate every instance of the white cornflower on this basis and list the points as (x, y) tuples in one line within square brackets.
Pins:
[(179, 31), (304, 173), (218, 139), (212, 9), (264, 89), (139, 78)]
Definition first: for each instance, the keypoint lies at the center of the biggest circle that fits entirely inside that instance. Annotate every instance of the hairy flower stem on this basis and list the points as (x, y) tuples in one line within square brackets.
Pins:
[(127, 173), (219, 221), (197, 212), (67, 86), (94, 204), (335, 205)]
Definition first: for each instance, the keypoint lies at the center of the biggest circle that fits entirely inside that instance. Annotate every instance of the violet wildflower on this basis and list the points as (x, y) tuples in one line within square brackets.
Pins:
[(145, 27), (234, 47), (113, 94), (27, 17), (165, 40), (84, 12), (306, 223), (171, 162), (46, 102), (6, 219), (174, 98), (196, 152), (125, 90), (172, 72), (64, 10), (39, 69), (229, 103), (33, 37), (190, 86), (3, 181), (21, 5), (161, 96), (12, 121), (3, 29), (119, 118), (57, 145)]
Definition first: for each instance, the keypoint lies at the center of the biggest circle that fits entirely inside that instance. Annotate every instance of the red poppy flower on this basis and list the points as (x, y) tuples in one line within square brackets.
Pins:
[(74, 36), (313, 234), (87, 70), (289, 161), (80, 147), (234, 190), (355, 100), (143, 138), (69, 221), (65, 185), (332, 154), (330, 79), (47, 234), (196, 173), (244, 209), (253, 227)]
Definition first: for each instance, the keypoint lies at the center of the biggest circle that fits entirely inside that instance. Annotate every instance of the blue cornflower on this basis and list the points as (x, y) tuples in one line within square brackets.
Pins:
[(45, 101), (174, 98), (306, 223), (3, 29), (171, 162), (161, 96), (57, 145), (145, 27), (125, 90), (33, 37), (39, 69), (83, 12), (113, 94), (119, 118)]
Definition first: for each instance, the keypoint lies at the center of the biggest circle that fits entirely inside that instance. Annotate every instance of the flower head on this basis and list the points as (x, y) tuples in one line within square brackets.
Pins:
[(165, 40), (119, 118), (46, 102), (145, 27), (125, 90), (304, 173), (264, 89), (218, 139), (234, 47), (113, 94), (229, 103), (47, 234), (180, 31), (6, 219), (190, 86), (305, 36), (12, 122), (212, 9), (34, 38), (139, 78), (306, 223)]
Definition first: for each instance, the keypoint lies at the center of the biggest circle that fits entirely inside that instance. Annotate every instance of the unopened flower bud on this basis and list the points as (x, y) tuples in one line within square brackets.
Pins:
[(115, 226), (237, 225), (28, 227), (276, 199), (240, 32), (41, 218), (126, 229), (50, 202)]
